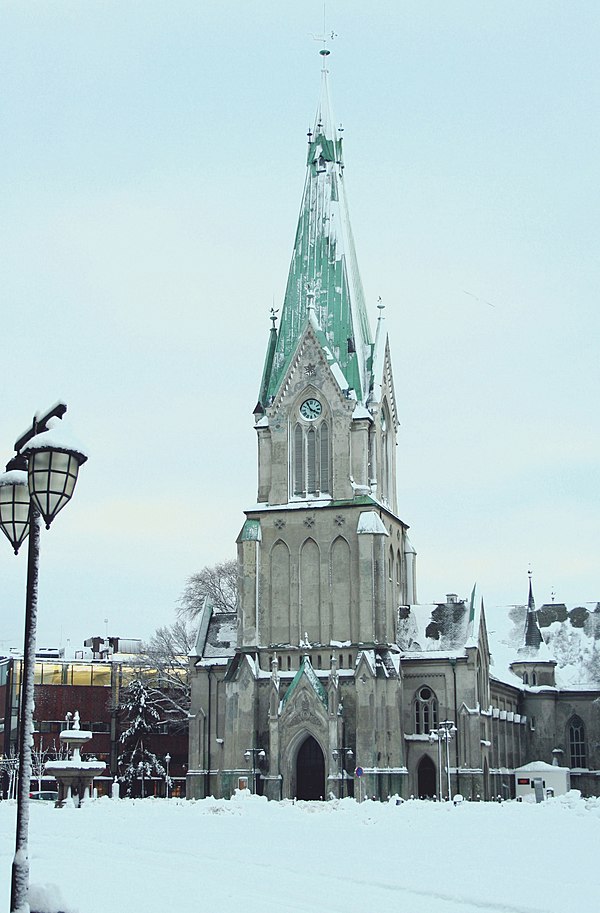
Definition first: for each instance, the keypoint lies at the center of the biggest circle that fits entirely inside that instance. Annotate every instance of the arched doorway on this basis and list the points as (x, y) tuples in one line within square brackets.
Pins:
[(426, 785), (310, 770)]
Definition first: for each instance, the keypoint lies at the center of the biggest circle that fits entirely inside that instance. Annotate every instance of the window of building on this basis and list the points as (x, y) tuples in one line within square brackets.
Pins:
[(426, 710), (385, 467), (577, 742), (311, 459), (525, 678)]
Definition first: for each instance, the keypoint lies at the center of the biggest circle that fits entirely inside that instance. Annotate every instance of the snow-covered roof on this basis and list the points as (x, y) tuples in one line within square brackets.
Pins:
[(437, 627), (571, 633), (538, 765), (221, 638)]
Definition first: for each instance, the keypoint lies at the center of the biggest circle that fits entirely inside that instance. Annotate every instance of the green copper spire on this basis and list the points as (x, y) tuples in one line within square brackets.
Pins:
[(323, 276)]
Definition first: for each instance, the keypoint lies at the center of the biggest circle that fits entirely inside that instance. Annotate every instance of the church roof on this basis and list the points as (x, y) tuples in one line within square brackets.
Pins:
[(441, 628), (324, 284)]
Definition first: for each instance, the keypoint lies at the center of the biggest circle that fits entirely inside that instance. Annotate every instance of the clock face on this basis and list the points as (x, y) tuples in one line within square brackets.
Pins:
[(310, 409)]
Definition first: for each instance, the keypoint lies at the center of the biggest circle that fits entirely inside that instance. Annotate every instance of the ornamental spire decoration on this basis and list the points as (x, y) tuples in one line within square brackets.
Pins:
[(323, 281), (533, 635)]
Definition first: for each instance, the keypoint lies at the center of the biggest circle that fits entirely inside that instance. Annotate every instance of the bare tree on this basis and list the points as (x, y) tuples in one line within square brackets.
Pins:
[(164, 667), (218, 582)]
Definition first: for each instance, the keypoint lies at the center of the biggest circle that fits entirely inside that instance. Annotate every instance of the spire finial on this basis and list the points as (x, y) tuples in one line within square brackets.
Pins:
[(324, 38), (380, 307), (273, 317), (530, 600)]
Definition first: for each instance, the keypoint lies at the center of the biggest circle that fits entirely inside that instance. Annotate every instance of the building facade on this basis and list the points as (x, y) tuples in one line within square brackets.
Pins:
[(330, 664), (93, 687)]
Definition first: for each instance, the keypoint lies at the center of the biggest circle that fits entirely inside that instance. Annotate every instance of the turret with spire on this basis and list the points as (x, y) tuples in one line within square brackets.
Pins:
[(535, 665)]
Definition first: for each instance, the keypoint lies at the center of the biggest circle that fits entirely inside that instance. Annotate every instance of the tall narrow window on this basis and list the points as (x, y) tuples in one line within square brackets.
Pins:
[(310, 463), (384, 458), (577, 742), (298, 460), (425, 707), (387, 456), (324, 461)]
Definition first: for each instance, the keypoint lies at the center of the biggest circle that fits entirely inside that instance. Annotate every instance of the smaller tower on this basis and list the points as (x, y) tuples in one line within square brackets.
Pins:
[(535, 665)]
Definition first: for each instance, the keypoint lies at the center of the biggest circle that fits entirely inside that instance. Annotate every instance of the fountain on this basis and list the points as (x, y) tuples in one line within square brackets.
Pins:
[(74, 777)]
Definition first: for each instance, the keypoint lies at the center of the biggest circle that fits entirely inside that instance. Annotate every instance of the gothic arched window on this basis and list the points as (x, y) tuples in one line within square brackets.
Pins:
[(311, 460), (426, 710), (387, 456), (577, 742)]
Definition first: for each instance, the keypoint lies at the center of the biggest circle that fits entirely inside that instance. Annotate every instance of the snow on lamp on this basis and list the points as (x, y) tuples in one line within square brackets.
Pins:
[(53, 465), (15, 505)]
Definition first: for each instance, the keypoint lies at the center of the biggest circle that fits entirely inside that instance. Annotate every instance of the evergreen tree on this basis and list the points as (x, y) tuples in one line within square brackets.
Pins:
[(141, 706)]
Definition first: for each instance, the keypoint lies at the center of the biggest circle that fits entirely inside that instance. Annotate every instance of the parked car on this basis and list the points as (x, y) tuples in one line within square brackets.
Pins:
[(44, 795)]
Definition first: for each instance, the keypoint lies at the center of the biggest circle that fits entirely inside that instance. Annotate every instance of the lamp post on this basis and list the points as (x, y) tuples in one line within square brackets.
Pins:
[(446, 731), (167, 781), (253, 753), (38, 482), (341, 754), (435, 736)]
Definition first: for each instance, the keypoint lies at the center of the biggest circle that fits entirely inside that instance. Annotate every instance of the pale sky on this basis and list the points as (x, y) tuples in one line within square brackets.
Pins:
[(152, 162)]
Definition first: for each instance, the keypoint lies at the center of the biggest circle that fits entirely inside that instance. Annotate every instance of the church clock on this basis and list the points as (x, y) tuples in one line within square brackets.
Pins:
[(311, 409)]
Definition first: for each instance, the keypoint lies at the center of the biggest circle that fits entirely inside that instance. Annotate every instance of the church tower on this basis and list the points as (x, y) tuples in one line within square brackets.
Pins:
[(324, 561)]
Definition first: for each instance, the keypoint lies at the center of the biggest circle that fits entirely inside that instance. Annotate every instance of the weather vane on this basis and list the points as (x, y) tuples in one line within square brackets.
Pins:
[(325, 37), (273, 317)]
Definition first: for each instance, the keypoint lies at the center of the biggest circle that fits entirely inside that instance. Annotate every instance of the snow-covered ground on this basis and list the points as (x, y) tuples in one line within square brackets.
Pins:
[(246, 854)]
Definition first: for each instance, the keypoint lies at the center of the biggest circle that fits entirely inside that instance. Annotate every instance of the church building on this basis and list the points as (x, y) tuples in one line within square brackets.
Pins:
[(331, 679)]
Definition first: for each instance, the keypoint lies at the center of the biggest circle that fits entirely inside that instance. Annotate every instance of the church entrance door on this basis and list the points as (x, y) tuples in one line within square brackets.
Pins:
[(426, 788), (310, 770)]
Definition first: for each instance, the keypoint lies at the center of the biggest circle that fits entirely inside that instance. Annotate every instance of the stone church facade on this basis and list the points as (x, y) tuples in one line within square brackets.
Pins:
[(329, 663)]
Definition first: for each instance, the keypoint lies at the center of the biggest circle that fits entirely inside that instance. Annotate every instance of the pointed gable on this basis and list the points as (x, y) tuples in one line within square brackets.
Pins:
[(307, 674)]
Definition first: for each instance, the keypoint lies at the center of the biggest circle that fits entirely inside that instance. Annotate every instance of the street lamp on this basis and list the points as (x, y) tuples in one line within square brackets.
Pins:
[(446, 731), (342, 753), (253, 753), (167, 781), (38, 482), (435, 736)]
